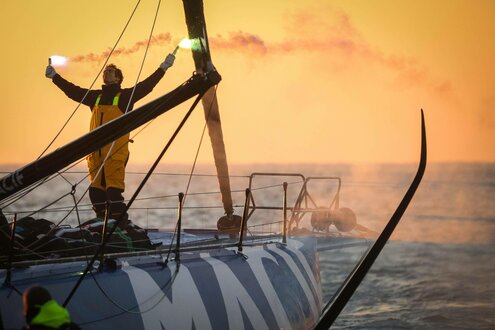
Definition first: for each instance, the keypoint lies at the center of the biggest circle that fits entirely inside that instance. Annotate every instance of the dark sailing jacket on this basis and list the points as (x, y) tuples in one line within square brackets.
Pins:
[(108, 92)]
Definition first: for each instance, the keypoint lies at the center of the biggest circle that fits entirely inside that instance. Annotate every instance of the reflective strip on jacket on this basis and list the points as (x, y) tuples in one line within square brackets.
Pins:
[(51, 315), (101, 115)]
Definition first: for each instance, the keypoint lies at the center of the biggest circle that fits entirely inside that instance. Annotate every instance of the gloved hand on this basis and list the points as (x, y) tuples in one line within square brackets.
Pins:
[(169, 61), (50, 72)]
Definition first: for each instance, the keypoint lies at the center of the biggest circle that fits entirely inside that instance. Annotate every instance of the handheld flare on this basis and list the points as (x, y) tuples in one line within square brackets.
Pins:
[(184, 43), (57, 60)]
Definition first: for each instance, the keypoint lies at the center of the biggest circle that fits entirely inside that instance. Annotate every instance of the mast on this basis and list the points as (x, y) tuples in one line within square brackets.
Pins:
[(196, 26)]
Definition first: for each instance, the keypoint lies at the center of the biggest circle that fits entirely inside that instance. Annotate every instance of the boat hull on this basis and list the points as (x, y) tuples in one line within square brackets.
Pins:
[(268, 286)]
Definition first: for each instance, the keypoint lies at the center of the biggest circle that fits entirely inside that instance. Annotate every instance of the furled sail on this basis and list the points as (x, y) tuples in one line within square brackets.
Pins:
[(201, 54)]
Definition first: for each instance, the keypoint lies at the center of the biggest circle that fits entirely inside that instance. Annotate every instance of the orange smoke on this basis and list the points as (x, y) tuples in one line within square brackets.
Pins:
[(331, 34), (252, 44), (160, 39), (239, 41)]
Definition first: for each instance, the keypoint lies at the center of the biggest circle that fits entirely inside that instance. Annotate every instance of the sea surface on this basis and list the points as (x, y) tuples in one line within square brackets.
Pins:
[(436, 272)]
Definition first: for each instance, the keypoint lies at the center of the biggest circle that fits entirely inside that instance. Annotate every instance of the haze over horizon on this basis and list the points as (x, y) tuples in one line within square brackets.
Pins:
[(303, 82)]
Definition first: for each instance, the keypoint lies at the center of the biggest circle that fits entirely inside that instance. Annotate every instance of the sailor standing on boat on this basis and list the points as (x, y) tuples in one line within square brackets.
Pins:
[(107, 104)]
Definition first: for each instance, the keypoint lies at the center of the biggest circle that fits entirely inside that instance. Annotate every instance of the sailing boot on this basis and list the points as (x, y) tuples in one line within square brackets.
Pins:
[(117, 207), (98, 198)]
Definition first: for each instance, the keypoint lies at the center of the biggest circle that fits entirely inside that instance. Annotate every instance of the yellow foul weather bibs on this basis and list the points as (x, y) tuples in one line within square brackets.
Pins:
[(113, 173)]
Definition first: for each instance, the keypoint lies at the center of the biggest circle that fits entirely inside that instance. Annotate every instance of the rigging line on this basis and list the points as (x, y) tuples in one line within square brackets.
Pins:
[(144, 57), (199, 147), (276, 185), (194, 164), (165, 288), (78, 220), (33, 253), (136, 193), (94, 81), (177, 224), (44, 207), (87, 189), (63, 177), (20, 194), (73, 194), (187, 174), (88, 244), (171, 243), (56, 225), (130, 139), (85, 177), (191, 174), (28, 251), (134, 88), (185, 208), (218, 192), (80, 181), (190, 178), (65, 171), (54, 176), (71, 208), (109, 152), (65, 217), (63, 208), (85, 192), (16, 243), (156, 173), (24, 192)]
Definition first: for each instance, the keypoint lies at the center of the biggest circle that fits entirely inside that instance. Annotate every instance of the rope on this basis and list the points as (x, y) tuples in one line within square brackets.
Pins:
[(110, 151), (189, 179), (46, 254), (64, 208), (23, 192), (127, 108), (64, 171), (199, 147), (41, 209), (165, 149), (82, 100), (94, 81), (163, 289), (134, 88), (144, 57), (143, 173)]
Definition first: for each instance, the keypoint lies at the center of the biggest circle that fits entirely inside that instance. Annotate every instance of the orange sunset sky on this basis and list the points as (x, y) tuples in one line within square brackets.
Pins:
[(303, 81)]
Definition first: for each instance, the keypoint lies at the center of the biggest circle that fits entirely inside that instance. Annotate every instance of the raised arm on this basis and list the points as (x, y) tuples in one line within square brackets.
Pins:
[(74, 92), (145, 87)]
